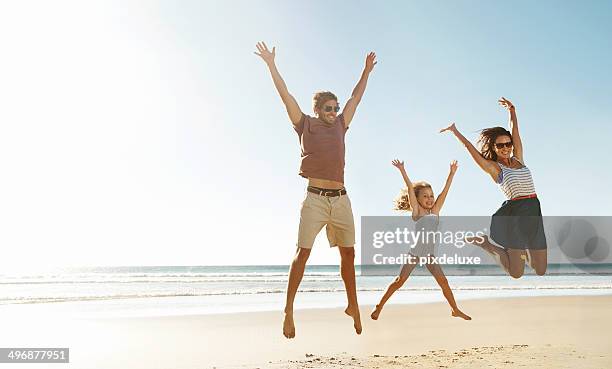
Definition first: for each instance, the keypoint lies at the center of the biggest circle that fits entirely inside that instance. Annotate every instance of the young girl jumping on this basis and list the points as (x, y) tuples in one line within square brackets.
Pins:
[(419, 198), (517, 225)]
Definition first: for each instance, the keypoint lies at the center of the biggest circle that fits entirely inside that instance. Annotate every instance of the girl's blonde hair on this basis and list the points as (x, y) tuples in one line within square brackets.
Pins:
[(402, 201)]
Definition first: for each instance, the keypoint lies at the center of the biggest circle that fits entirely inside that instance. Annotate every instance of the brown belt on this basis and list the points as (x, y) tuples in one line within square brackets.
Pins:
[(326, 192)]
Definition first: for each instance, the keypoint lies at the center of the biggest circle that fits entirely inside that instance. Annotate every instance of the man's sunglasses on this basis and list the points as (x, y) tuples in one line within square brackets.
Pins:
[(501, 145), (328, 108)]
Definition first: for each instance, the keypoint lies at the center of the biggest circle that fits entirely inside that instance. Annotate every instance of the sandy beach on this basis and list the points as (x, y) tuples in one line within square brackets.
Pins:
[(536, 332)]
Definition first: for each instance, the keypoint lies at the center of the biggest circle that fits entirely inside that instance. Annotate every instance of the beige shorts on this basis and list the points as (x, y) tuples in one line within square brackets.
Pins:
[(334, 212)]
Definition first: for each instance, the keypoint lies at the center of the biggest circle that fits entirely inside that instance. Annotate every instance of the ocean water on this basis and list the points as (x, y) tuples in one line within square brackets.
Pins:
[(181, 290)]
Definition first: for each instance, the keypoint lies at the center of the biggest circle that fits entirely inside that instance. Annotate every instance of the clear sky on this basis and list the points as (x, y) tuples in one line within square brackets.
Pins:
[(148, 133)]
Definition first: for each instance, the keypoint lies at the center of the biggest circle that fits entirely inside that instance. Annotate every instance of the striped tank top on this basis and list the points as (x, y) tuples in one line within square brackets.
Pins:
[(515, 182)]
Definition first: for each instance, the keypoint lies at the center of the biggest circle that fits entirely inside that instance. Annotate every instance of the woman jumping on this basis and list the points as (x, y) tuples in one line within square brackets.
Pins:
[(517, 226), (419, 198)]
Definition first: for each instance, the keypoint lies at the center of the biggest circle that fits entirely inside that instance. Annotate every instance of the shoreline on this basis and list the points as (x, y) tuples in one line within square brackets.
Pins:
[(244, 304), (576, 327)]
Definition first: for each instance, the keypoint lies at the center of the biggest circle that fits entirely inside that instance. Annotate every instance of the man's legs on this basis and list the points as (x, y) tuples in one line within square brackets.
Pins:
[(313, 216), (341, 233), (347, 271), (296, 272)]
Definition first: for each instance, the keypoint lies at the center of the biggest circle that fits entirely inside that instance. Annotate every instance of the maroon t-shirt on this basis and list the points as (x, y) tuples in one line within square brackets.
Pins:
[(322, 147)]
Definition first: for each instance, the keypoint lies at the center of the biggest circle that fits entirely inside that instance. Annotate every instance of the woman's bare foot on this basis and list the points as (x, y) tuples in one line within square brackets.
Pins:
[(288, 326), (460, 314), (484, 243), (353, 312), (480, 241), (376, 312)]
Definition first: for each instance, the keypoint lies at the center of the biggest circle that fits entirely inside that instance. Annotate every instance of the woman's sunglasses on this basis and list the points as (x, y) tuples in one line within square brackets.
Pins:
[(501, 145), (328, 108)]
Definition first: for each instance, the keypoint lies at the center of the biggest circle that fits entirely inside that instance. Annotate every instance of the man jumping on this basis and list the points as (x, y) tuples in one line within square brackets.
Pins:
[(327, 203)]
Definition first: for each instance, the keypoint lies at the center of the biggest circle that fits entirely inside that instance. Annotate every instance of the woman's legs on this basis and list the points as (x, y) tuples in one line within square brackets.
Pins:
[(437, 272), (394, 286), (511, 260), (538, 260)]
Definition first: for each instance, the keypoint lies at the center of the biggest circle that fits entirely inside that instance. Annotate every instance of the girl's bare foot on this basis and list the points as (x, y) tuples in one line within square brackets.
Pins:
[(353, 312), (288, 326), (376, 312), (460, 314)]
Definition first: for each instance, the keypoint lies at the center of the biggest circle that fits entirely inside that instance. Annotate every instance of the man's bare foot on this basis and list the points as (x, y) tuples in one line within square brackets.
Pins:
[(288, 326), (354, 313), (460, 314), (376, 312)]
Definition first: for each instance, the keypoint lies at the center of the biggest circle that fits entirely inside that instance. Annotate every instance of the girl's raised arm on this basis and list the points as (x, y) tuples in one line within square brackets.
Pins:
[(414, 204), (442, 197)]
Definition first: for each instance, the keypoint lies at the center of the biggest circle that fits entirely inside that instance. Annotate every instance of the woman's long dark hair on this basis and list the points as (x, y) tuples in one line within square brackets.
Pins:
[(486, 141)]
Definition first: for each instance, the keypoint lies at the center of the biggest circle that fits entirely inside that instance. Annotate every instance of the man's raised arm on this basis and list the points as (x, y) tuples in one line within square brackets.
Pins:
[(353, 101), (293, 109)]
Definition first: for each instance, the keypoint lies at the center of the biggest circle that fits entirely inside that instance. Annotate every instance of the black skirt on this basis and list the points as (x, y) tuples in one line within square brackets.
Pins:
[(517, 224)]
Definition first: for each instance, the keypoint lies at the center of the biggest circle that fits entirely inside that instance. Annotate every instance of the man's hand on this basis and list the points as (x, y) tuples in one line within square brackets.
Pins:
[(453, 166), (370, 62), (264, 53), (398, 164), (357, 94), (293, 109), (506, 103)]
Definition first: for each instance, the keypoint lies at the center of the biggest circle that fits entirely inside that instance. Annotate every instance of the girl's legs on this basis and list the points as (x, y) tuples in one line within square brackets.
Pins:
[(437, 272), (394, 286), (511, 260), (538, 260)]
